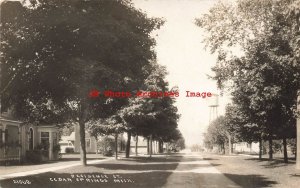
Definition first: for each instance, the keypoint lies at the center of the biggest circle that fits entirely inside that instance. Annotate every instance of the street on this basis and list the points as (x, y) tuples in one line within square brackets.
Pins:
[(175, 170)]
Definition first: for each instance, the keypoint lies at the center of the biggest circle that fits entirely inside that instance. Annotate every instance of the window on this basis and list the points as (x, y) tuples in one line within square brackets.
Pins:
[(88, 143), (45, 140)]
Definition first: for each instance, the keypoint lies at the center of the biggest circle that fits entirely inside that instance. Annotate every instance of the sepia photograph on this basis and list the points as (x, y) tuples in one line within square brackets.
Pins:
[(149, 93)]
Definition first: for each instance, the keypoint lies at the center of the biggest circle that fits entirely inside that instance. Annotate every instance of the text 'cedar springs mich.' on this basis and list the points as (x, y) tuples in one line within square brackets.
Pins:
[(147, 94)]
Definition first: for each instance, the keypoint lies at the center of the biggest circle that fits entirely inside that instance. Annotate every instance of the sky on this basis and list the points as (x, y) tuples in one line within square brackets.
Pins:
[(180, 48)]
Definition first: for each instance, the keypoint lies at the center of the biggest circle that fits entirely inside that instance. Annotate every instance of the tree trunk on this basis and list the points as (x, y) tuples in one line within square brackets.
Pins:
[(150, 150), (298, 134), (82, 143), (285, 151), (160, 145), (148, 146), (105, 146), (116, 146), (296, 148), (128, 144), (270, 148), (122, 148), (136, 144), (229, 144), (96, 138), (260, 148), (167, 147)]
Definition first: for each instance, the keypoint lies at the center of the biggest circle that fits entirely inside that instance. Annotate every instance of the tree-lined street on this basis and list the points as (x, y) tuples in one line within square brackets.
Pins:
[(95, 77), (175, 170)]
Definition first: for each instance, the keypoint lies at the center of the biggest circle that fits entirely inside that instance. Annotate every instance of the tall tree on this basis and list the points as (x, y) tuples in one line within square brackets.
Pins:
[(265, 71), (293, 17), (57, 51), (151, 115)]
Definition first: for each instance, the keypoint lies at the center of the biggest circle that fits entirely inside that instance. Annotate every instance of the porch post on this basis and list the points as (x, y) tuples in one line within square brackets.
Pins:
[(20, 142), (3, 139)]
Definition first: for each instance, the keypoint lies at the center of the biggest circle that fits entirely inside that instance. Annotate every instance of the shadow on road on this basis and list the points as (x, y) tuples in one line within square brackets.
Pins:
[(275, 163), (210, 180), (134, 167), (150, 160), (209, 159), (252, 180)]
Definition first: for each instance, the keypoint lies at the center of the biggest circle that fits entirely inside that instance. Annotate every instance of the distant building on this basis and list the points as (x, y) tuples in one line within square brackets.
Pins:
[(90, 141), (142, 145)]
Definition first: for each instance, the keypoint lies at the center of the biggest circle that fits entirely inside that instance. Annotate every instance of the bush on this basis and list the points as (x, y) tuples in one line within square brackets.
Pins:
[(108, 153), (69, 150), (36, 156), (56, 148)]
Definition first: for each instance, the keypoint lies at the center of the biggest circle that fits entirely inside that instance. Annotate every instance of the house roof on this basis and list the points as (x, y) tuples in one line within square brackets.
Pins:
[(9, 120), (71, 137)]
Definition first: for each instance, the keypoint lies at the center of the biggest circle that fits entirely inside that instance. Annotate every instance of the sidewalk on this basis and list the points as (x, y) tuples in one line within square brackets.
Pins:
[(25, 170)]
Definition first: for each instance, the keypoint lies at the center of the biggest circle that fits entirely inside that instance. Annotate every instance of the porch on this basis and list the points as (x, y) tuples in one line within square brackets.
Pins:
[(20, 142)]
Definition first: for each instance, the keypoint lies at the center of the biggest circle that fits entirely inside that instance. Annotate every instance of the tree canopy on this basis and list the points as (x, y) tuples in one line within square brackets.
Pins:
[(54, 52), (258, 62)]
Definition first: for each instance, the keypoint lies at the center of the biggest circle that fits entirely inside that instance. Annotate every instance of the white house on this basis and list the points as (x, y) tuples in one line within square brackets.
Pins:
[(18, 138), (244, 147)]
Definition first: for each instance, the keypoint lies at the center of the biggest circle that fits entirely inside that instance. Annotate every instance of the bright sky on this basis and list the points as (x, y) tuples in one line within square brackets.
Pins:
[(180, 49)]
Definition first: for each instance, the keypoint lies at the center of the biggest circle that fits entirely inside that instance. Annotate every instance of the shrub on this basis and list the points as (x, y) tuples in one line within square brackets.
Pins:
[(108, 153), (56, 148), (69, 150), (34, 156)]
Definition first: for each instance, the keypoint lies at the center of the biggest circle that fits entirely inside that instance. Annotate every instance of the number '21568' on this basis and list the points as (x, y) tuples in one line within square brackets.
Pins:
[(23, 182)]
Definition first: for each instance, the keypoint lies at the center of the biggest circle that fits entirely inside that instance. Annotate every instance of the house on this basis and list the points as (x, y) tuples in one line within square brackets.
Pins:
[(244, 147), (90, 141), (18, 139), (141, 145), (67, 143)]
